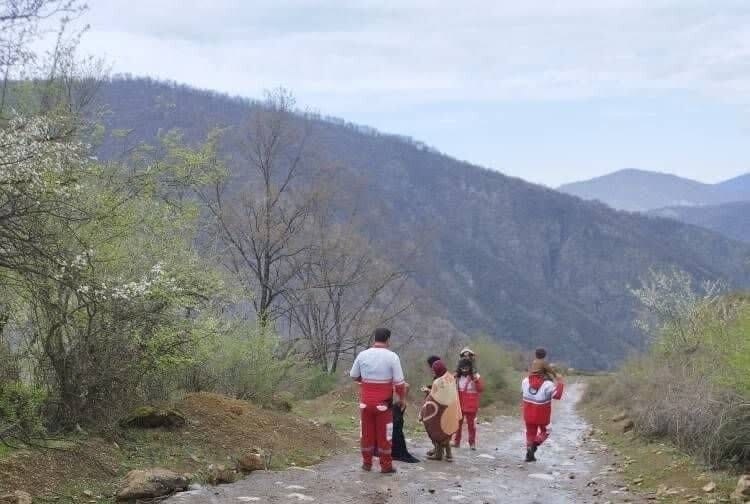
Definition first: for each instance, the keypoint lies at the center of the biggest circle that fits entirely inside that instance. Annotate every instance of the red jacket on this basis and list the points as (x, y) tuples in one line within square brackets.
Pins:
[(470, 392), (538, 394)]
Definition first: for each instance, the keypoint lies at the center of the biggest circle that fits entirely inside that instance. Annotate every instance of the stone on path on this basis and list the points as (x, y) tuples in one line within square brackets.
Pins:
[(220, 474), (301, 497), (545, 477), (151, 483), (251, 461)]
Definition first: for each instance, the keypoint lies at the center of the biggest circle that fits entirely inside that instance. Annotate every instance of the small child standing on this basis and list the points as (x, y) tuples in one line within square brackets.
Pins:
[(540, 367), (470, 386), (538, 394)]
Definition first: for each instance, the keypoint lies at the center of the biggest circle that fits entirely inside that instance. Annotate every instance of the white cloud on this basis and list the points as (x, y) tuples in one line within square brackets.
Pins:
[(416, 51), (408, 66)]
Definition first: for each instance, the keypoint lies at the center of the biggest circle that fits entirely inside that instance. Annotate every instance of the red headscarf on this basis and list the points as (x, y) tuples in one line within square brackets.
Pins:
[(438, 368)]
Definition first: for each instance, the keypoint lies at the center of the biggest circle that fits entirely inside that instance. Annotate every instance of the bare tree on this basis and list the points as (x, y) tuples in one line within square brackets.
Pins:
[(256, 225), (23, 22), (342, 290)]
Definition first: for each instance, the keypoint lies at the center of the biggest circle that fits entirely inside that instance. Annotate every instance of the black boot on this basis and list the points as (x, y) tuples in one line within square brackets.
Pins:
[(530, 454)]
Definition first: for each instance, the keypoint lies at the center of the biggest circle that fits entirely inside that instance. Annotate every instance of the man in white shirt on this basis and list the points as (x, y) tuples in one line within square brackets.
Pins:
[(378, 370)]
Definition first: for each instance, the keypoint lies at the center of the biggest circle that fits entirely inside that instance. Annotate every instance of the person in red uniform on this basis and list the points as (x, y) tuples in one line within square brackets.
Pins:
[(538, 393), (378, 370), (470, 387)]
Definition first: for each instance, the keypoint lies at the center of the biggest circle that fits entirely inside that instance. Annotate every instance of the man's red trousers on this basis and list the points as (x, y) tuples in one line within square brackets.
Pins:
[(376, 426)]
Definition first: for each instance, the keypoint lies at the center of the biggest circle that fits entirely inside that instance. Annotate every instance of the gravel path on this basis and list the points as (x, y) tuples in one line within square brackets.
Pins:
[(570, 469)]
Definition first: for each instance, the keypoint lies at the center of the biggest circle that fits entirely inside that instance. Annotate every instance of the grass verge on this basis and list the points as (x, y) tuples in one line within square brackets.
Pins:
[(657, 469)]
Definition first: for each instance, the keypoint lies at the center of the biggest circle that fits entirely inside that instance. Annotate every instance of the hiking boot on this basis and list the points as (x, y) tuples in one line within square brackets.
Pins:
[(367, 467), (389, 471), (534, 448), (473, 447), (530, 455), (437, 453)]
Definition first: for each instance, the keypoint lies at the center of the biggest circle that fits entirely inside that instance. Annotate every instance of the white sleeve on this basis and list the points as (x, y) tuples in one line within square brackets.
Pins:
[(355, 372), (398, 372)]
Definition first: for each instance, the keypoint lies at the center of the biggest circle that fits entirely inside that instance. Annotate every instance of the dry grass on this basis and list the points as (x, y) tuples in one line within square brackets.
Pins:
[(670, 402), (648, 466)]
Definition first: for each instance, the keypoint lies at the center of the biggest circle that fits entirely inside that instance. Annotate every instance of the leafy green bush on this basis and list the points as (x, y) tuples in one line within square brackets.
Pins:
[(496, 368), (314, 382), (242, 361), (20, 411)]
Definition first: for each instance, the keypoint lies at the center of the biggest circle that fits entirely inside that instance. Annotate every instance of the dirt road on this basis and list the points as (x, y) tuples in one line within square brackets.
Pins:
[(569, 470)]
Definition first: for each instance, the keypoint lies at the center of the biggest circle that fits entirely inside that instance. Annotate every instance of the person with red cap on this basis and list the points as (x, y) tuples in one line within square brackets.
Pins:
[(378, 370), (538, 393), (441, 412)]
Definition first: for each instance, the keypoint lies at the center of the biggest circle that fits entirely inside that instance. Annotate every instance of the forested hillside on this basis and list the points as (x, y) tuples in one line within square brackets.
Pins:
[(488, 252), (729, 219)]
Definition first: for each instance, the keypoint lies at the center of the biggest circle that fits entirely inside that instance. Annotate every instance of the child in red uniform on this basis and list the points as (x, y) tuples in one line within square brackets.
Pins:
[(538, 393), (470, 386)]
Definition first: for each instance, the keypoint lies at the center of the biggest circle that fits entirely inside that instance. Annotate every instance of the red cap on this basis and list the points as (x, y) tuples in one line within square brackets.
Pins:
[(439, 368)]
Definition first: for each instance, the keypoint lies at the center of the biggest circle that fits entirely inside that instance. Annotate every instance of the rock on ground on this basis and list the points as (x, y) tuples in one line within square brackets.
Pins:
[(151, 483), (251, 461), (220, 474), (742, 492), (17, 497)]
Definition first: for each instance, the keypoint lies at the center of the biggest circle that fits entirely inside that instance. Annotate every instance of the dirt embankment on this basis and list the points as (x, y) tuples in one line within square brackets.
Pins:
[(218, 430)]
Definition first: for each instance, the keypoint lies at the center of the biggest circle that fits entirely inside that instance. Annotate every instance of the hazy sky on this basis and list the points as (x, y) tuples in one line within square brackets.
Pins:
[(550, 91)]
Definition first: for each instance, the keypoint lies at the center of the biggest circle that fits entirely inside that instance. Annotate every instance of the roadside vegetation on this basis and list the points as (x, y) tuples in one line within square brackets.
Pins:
[(157, 279), (685, 404), (161, 279)]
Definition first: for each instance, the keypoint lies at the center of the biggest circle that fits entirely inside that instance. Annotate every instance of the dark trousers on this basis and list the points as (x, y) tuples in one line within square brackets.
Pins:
[(399, 441)]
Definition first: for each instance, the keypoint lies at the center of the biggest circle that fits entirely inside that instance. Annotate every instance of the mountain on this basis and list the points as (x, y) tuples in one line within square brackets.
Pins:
[(730, 219), (496, 254), (641, 191), (736, 189)]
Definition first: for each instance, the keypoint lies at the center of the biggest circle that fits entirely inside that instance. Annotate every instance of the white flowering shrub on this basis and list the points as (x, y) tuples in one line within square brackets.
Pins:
[(122, 302), (674, 308), (35, 161), (40, 174)]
